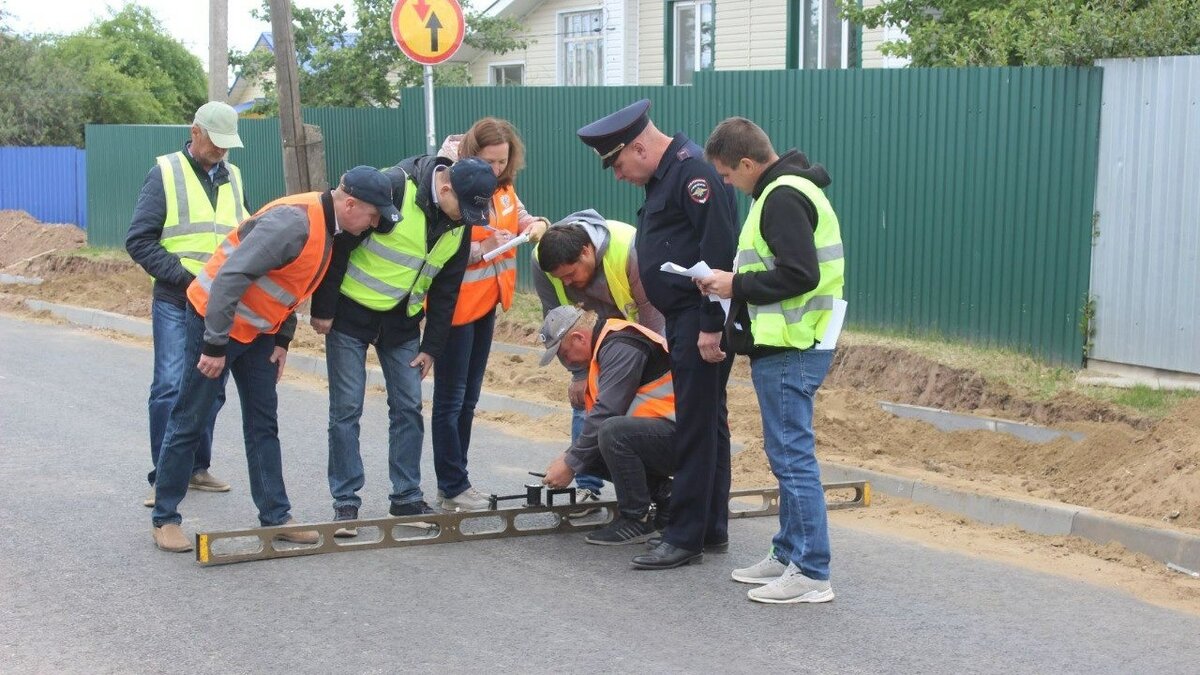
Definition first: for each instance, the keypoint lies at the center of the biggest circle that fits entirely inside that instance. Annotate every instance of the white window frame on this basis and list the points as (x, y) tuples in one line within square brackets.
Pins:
[(561, 47), (676, 71), (822, 36), (505, 64)]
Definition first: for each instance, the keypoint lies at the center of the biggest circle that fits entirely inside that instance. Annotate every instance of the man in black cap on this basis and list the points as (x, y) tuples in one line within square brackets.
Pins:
[(240, 314), (688, 217), (376, 293)]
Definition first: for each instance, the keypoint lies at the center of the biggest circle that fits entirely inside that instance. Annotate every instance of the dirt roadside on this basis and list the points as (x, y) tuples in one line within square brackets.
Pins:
[(1129, 463)]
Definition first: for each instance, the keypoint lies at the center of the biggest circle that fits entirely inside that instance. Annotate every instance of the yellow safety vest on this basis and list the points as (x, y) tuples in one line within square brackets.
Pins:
[(193, 227), (800, 321), (616, 269), (387, 268)]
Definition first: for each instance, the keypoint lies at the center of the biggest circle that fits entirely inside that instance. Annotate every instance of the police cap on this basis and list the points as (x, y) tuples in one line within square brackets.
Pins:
[(609, 134)]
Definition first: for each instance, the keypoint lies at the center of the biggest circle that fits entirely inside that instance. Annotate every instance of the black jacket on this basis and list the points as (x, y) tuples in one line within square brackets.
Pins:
[(145, 231), (787, 225), (394, 326)]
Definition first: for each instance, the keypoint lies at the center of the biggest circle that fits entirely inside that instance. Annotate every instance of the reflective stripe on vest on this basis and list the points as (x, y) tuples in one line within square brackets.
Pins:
[(269, 299), (487, 283), (797, 322), (653, 399), (192, 227), (387, 268), (616, 270)]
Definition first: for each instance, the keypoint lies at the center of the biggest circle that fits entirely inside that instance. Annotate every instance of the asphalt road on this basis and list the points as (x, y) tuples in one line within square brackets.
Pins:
[(82, 588)]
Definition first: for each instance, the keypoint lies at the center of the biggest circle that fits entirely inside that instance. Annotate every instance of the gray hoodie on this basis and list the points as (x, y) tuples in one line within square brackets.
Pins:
[(596, 296)]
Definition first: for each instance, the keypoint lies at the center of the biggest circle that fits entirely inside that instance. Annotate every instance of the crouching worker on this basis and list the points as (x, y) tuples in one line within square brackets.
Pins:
[(628, 434), (240, 320)]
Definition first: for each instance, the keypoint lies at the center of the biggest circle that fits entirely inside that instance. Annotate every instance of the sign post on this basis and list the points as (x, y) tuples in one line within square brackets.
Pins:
[(428, 32)]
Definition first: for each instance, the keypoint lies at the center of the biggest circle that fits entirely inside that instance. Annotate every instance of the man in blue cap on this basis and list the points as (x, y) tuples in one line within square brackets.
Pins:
[(376, 293), (241, 318), (688, 217)]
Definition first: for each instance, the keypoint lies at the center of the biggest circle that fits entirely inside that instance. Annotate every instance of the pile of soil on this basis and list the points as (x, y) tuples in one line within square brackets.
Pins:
[(23, 239)]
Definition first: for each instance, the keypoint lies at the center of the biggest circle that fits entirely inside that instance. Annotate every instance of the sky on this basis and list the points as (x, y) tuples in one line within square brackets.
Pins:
[(184, 20)]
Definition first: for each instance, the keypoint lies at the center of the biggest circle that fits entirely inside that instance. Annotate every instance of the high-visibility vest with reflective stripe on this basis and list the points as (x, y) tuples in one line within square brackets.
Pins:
[(193, 228), (387, 268), (653, 399), (489, 282), (272, 297), (800, 321), (616, 269)]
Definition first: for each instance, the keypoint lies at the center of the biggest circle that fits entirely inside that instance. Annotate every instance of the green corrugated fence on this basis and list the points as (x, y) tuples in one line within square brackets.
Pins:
[(965, 195)]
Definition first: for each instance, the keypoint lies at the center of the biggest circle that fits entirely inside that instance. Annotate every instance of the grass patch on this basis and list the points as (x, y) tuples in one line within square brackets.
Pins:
[(100, 253), (1151, 402)]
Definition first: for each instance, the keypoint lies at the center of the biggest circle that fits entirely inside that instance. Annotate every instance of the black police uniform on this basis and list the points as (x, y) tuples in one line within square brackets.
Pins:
[(689, 215)]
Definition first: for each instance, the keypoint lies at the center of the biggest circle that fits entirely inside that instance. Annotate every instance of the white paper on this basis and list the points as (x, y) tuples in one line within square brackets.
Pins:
[(834, 328), (700, 270), (511, 243)]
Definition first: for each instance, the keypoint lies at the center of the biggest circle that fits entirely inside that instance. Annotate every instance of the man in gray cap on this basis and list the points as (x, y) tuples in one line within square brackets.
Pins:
[(241, 313), (190, 200), (688, 217), (628, 434)]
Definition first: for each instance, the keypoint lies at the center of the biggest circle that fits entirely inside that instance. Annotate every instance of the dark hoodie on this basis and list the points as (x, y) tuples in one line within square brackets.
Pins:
[(394, 326), (788, 222)]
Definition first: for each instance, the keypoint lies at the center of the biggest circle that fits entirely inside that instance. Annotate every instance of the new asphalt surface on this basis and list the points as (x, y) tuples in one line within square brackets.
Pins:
[(82, 588)]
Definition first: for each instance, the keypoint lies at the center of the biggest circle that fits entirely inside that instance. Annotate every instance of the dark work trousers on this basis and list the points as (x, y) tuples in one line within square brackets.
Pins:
[(638, 456), (700, 494)]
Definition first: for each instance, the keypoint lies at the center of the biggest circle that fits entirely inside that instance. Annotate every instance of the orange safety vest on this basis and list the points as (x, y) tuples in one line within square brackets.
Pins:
[(655, 398), (486, 283), (271, 298)]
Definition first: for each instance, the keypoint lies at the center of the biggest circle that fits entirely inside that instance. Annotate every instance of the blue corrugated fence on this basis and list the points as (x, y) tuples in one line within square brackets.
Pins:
[(49, 183)]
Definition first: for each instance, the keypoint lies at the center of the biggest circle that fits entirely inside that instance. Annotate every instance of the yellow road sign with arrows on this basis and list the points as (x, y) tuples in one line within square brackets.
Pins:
[(428, 31)]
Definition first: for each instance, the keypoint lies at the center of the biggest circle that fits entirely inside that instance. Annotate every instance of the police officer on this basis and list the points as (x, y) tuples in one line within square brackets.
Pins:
[(688, 216)]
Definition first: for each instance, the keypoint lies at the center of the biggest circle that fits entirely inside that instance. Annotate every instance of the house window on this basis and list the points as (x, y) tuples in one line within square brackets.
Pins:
[(691, 39), (507, 74), (581, 53), (824, 37)]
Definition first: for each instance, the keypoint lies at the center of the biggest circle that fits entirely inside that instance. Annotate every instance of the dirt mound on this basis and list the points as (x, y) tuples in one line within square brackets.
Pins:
[(901, 376), (24, 238)]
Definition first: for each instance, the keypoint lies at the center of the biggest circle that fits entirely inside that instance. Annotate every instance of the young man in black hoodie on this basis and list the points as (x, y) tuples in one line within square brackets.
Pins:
[(789, 273), (375, 294)]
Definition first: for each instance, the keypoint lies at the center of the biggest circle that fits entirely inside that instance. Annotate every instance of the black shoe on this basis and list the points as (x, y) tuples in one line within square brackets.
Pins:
[(665, 557), (345, 512), (414, 509), (721, 547), (622, 531)]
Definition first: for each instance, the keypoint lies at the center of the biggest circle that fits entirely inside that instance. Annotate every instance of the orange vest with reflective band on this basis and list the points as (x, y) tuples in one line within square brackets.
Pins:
[(271, 298), (486, 283), (653, 399)]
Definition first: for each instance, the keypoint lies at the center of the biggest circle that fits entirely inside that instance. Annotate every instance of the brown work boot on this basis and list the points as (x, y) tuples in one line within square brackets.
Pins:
[(203, 480), (170, 537), (301, 537)]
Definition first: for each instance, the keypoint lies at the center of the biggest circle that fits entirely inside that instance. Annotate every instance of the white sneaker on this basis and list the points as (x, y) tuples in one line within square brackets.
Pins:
[(468, 500), (792, 586), (764, 572), (584, 496)]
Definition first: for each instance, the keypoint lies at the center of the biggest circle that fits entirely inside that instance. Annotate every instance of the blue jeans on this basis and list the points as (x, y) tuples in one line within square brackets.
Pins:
[(786, 384), (583, 480), (457, 381), (346, 360), (170, 341), (255, 376)]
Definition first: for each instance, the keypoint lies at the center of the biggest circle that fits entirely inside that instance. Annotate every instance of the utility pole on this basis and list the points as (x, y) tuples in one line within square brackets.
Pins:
[(296, 177), (218, 50)]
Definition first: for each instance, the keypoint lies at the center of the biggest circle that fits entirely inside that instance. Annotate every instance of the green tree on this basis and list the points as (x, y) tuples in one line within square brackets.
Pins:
[(1033, 32), (138, 75), (362, 67)]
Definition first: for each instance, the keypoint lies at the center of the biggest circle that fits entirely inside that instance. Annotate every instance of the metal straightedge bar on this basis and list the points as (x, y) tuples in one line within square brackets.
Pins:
[(221, 548)]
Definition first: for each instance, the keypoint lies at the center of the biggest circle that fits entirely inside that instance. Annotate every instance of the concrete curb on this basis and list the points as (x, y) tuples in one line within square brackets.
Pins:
[(1031, 515), (946, 420)]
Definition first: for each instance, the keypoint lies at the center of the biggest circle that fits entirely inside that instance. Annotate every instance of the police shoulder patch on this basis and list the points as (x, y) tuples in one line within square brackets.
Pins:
[(698, 190)]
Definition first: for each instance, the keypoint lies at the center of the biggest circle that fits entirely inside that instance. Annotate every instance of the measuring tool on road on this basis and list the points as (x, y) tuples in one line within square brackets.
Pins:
[(537, 516)]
